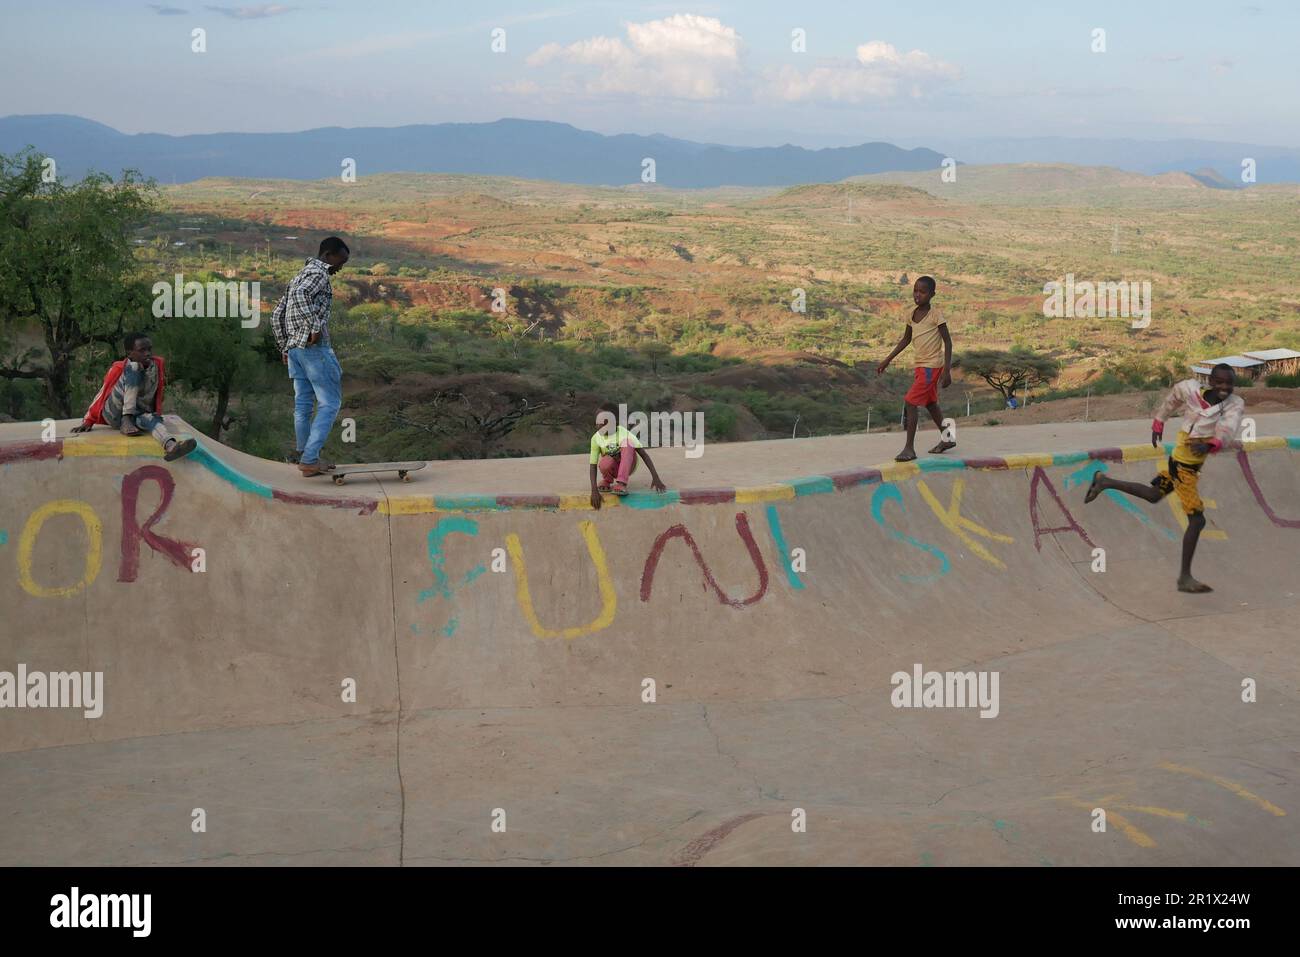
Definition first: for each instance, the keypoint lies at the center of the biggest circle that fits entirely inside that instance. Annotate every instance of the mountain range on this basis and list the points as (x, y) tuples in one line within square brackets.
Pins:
[(538, 149), (530, 149)]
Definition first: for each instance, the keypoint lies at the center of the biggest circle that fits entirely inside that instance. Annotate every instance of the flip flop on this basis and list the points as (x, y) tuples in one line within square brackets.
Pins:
[(943, 447), (618, 488), (905, 457)]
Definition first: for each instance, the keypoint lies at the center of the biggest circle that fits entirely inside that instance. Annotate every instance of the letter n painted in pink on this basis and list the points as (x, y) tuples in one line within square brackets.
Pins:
[(135, 532), (1040, 477), (680, 531)]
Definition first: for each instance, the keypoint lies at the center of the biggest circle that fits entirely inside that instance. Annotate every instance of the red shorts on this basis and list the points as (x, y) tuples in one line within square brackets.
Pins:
[(925, 387)]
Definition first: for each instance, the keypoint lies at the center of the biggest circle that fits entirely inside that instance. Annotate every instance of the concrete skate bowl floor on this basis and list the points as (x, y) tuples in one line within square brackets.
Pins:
[(502, 648)]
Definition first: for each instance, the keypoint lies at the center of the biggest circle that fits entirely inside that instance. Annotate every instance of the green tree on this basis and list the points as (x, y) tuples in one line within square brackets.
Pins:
[(1010, 372), (67, 265), (209, 355)]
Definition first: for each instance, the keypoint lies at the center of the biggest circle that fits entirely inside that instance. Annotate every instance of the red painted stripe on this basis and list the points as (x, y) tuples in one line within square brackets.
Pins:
[(363, 506), (706, 496), (848, 478), (1107, 455), (30, 451), (690, 855), (529, 501), (990, 463)]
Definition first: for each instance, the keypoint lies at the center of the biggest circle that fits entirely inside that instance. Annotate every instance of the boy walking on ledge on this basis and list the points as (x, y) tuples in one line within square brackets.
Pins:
[(927, 332)]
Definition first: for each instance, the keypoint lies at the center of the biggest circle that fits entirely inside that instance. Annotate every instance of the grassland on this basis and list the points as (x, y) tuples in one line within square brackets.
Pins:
[(669, 298)]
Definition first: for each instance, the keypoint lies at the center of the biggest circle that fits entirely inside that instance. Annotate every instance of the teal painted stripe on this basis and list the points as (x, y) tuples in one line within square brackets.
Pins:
[(940, 465), (468, 503), (1069, 458), (224, 471), (1293, 442), (782, 549), (811, 485), (649, 500)]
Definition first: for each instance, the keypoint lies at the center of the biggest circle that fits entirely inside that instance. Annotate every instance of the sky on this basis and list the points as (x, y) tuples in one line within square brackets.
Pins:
[(722, 72)]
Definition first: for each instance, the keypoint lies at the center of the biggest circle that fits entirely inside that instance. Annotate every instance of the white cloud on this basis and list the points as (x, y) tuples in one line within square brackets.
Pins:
[(258, 12), (879, 71), (685, 55)]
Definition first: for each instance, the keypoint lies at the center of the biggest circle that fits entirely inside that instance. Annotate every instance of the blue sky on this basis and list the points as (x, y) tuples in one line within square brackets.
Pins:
[(721, 72)]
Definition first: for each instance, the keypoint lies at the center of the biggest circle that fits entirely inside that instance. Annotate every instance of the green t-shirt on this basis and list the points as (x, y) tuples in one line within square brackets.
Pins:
[(602, 444)]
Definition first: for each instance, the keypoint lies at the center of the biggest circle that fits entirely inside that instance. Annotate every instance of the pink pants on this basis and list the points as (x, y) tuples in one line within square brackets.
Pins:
[(618, 468)]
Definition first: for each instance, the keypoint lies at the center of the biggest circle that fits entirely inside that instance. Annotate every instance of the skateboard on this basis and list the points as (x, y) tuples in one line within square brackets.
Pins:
[(341, 472)]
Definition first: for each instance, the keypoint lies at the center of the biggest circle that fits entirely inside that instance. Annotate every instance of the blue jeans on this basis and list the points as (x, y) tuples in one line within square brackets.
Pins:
[(316, 374)]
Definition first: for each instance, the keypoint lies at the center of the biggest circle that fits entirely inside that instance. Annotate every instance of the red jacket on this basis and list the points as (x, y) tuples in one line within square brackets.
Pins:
[(95, 414)]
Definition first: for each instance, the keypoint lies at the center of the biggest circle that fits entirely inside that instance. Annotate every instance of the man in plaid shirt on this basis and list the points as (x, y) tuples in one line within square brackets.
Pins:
[(300, 324)]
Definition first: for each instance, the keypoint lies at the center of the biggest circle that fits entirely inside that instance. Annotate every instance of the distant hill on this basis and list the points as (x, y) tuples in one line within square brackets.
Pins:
[(1273, 164), (820, 195), (1059, 184), (529, 149)]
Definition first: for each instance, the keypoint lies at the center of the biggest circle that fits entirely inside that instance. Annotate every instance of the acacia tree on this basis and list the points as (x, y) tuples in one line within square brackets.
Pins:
[(1012, 371), (210, 355), (67, 265)]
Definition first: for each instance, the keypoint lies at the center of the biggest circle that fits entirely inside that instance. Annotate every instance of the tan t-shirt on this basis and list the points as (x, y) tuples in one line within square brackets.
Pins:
[(927, 344)]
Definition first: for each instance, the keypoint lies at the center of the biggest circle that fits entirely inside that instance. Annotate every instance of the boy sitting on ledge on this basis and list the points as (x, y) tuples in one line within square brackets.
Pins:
[(131, 398)]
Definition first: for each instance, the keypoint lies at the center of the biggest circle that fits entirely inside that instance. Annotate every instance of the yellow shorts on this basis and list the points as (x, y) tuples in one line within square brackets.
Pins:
[(1181, 478)]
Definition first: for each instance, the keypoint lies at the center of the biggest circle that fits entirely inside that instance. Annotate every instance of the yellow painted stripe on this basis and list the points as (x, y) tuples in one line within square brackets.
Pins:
[(580, 503), (1227, 785), (899, 471), (411, 505), (1027, 460), (1268, 442), (1141, 453), (1129, 830), (1126, 827), (112, 446), (1159, 812), (764, 493)]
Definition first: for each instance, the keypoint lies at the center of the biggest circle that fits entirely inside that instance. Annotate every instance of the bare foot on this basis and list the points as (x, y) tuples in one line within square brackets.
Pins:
[(1189, 584), (1095, 488), (943, 447), (907, 455)]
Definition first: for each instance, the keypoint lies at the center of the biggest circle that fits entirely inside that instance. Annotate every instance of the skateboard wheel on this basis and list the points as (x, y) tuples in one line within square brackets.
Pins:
[(338, 479)]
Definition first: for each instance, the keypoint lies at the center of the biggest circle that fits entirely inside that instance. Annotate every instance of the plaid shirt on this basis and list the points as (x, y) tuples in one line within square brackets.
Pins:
[(304, 308)]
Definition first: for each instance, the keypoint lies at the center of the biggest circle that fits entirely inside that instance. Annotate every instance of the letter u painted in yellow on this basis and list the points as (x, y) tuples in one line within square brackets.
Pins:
[(608, 597)]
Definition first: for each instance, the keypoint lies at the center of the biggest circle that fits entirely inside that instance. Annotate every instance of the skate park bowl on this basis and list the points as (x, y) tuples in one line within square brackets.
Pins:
[(479, 668)]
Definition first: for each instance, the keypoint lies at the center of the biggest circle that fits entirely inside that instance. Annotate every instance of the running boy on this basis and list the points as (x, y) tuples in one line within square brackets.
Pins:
[(614, 451), (131, 398), (927, 331), (1210, 420)]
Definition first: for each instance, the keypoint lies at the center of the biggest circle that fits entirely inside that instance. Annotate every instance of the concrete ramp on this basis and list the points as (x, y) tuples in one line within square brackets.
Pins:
[(425, 674)]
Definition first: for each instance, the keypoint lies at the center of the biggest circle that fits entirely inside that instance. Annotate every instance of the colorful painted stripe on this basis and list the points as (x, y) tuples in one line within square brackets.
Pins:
[(119, 446)]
